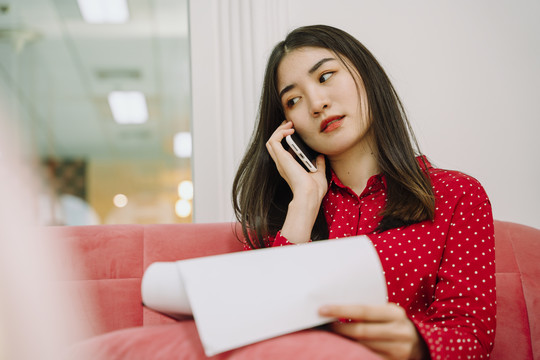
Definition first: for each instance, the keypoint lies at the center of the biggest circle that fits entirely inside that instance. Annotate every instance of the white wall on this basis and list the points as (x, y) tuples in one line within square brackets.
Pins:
[(467, 72), (230, 41)]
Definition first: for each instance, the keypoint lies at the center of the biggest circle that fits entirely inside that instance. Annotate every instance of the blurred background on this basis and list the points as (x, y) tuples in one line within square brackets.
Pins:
[(466, 71), (97, 95)]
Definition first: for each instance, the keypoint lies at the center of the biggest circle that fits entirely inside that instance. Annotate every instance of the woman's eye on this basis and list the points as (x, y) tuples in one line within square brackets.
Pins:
[(325, 76), (292, 102)]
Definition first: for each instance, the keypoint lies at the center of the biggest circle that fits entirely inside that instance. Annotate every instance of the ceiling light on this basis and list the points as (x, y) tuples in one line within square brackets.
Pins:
[(128, 107), (182, 144), (104, 11)]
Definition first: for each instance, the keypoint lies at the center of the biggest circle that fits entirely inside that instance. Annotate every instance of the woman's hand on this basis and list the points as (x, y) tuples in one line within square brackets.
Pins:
[(300, 181), (308, 188), (385, 329)]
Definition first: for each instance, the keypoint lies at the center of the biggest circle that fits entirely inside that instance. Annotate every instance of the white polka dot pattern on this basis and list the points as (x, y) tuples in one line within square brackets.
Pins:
[(442, 272)]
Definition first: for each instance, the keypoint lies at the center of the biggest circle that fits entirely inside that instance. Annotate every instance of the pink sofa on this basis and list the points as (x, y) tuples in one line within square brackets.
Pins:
[(105, 264)]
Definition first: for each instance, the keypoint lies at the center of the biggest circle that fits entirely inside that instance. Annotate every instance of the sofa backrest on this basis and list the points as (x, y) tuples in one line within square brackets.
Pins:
[(105, 264)]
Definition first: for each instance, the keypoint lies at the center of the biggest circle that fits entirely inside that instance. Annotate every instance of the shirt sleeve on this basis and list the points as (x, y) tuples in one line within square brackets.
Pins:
[(460, 322), (273, 241), (280, 240)]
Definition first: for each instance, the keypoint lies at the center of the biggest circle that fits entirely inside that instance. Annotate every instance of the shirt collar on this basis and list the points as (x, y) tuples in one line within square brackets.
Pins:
[(378, 181), (375, 183)]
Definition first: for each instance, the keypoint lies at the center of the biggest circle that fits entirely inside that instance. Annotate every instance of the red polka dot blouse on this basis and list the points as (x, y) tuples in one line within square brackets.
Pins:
[(442, 272)]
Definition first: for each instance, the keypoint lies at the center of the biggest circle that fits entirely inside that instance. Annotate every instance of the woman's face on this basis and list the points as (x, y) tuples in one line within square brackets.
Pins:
[(321, 97)]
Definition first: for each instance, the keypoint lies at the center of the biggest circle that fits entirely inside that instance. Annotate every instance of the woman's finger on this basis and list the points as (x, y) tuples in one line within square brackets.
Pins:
[(281, 131), (395, 339), (364, 331), (385, 329), (388, 312), (273, 145), (376, 330)]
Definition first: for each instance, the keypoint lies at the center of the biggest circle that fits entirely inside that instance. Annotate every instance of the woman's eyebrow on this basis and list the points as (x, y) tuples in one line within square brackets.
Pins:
[(310, 71), (285, 89), (319, 64)]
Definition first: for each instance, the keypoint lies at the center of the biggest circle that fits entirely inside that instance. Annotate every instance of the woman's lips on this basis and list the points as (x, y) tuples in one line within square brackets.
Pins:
[(331, 123)]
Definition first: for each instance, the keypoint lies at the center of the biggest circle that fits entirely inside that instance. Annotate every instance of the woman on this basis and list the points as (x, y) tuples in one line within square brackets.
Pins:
[(432, 228)]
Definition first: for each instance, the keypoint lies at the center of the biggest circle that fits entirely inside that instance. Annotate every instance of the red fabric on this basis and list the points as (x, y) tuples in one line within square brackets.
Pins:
[(103, 267), (527, 250), (106, 305), (442, 272), (519, 318), (513, 333), (100, 252), (180, 341), (184, 241)]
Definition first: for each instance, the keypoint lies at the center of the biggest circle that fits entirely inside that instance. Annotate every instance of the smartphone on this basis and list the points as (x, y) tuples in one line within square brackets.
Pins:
[(301, 152)]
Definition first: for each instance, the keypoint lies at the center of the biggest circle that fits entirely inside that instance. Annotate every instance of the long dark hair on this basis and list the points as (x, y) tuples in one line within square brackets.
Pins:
[(261, 196)]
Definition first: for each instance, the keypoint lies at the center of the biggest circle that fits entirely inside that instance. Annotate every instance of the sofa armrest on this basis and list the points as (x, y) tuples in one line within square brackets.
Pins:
[(104, 264), (517, 248)]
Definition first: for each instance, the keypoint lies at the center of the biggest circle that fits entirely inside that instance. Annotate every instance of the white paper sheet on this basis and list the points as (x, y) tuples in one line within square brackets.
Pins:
[(241, 298)]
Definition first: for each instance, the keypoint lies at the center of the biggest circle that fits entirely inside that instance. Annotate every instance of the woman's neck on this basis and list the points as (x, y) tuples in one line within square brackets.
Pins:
[(355, 167)]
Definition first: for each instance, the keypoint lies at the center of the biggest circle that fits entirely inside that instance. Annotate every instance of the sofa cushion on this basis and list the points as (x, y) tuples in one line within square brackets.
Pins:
[(180, 341)]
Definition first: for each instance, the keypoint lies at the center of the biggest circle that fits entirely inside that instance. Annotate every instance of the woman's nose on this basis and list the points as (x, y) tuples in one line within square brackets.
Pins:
[(318, 103)]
